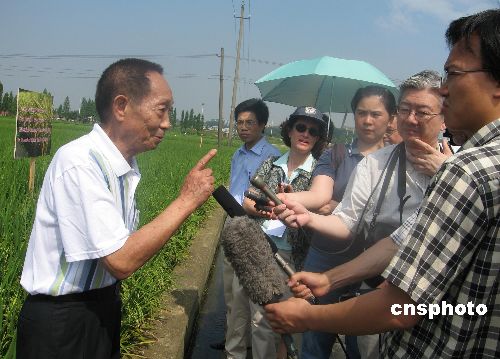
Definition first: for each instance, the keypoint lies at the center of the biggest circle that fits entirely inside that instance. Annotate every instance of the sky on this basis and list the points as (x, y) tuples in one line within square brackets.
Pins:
[(64, 45)]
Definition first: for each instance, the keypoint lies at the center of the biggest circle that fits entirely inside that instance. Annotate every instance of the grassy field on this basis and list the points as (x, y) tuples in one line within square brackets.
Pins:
[(162, 171)]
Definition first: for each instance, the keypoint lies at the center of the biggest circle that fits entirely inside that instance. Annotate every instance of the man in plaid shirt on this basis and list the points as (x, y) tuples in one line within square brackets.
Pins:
[(451, 253)]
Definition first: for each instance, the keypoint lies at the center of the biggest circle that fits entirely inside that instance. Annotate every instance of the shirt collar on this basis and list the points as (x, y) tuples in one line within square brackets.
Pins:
[(307, 166), (484, 135), (352, 148), (257, 148), (118, 163)]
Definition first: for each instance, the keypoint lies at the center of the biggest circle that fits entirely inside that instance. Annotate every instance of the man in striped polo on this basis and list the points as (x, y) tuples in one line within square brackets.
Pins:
[(84, 237)]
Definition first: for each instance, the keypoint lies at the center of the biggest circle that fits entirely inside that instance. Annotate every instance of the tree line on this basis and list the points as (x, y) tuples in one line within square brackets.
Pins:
[(189, 121)]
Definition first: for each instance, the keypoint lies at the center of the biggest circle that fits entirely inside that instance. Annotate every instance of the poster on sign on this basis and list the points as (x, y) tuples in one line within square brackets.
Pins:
[(33, 124)]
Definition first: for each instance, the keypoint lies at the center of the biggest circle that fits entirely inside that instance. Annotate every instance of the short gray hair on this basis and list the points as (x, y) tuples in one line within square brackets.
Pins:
[(424, 80)]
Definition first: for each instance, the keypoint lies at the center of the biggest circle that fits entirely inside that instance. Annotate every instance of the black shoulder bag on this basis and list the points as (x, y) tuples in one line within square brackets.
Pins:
[(377, 231)]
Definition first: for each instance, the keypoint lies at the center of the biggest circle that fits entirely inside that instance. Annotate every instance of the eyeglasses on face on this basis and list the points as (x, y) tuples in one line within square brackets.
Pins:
[(300, 127), (448, 73), (420, 116), (248, 123)]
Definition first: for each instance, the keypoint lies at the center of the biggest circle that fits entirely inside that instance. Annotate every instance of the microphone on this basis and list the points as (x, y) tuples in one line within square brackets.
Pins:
[(250, 254), (260, 184), (227, 201), (286, 267), (260, 201)]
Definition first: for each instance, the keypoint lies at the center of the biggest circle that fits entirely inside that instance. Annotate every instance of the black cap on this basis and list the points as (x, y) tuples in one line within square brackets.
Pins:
[(311, 113)]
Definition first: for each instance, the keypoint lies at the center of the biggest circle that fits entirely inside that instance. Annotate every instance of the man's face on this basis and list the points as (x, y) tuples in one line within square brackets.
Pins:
[(423, 101), (249, 129), (148, 120), (467, 96)]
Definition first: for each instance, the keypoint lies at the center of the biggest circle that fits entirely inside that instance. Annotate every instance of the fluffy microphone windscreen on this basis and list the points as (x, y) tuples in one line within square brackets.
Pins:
[(248, 251)]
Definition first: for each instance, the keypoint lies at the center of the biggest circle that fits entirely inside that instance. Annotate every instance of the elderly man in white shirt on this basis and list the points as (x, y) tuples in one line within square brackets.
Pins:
[(84, 237)]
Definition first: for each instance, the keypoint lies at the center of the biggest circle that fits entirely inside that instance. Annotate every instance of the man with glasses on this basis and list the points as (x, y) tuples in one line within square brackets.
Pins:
[(370, 208), (251, 119), (449, 249)]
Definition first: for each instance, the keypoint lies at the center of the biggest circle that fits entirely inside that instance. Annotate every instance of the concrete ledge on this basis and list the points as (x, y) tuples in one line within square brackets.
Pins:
[(180, 307)]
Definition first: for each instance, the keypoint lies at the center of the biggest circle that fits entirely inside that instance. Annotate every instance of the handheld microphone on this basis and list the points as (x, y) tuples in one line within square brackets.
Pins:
[(227, 201), (260, 184), (261, 201), (258, 199), (286, 266)]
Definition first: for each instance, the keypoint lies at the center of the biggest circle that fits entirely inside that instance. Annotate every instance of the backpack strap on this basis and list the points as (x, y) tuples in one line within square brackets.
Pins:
[(402, 182)]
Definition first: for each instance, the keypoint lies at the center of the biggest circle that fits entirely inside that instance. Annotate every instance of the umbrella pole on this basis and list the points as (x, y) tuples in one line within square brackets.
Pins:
[(330, 111)]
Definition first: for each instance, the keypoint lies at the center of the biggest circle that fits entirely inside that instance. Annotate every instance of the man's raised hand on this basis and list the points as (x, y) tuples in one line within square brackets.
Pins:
[(199, 182)]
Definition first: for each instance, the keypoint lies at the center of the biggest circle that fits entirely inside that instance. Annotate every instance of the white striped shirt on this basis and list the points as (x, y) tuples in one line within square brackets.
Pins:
[(85, 211)]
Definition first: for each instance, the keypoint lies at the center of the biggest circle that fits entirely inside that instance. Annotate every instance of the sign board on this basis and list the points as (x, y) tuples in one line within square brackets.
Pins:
[(33, 124)]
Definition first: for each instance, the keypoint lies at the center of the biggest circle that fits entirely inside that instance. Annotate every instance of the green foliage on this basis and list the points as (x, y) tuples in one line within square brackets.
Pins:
[(66, 108), (173, 117), (162, 171), (8, 103), (88, 111)]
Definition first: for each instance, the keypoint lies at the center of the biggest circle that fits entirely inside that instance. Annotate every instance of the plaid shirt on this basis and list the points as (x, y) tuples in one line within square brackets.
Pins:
[(452, 254)]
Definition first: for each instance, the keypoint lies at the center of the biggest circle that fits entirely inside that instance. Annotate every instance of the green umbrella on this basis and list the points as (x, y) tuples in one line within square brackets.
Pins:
[(326, 83)]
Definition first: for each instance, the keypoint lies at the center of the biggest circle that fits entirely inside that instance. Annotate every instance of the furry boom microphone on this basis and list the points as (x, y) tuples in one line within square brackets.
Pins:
[(246, 247), (250, 254)]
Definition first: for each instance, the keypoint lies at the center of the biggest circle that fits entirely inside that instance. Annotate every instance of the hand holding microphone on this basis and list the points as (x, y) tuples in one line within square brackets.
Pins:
[(305, 284), (292, 214)]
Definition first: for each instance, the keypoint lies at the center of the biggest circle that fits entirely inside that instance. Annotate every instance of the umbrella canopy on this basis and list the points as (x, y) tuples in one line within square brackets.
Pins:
[(326, 83)]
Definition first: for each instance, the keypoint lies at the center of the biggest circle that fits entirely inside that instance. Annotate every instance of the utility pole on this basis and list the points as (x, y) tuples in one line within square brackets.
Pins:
[(221, 97), (236, 77)]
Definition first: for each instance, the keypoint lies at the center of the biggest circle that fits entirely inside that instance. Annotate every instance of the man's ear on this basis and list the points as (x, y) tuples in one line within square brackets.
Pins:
[(496, 91), (120, 104)]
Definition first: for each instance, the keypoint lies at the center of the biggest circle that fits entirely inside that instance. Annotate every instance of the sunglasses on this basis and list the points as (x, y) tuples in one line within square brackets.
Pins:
[(300, 127)]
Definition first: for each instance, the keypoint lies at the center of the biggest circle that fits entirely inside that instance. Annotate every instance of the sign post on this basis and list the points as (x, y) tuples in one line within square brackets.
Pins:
[(33, 128)]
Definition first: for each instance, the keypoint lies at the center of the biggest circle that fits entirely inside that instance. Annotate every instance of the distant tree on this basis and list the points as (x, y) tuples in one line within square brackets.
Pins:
[(66, 108), (199, 123), (183, 120), (191, 119), (46, 92), (1, 94), (13, 104), (9, 103), (72, 115), (60, 111), (85, 112), (173, 117)]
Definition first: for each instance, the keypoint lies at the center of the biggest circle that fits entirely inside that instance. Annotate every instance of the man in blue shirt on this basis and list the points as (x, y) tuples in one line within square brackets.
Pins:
[(251, 119)]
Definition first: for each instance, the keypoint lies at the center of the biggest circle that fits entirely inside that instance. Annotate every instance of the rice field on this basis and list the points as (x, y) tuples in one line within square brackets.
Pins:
[(162, 171)]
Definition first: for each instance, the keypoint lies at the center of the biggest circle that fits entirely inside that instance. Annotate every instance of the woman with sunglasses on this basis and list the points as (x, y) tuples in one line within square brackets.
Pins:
[(373, 108), (305, 134)]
